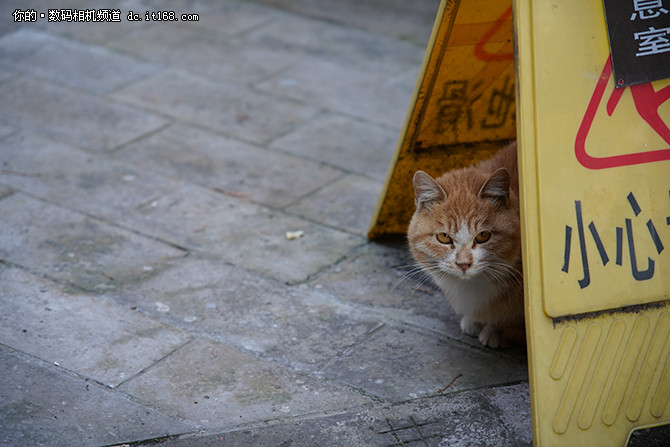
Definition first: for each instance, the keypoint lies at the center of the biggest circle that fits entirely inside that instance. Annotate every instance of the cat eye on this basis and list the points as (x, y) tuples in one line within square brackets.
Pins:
[(483, 237), (444, 238)]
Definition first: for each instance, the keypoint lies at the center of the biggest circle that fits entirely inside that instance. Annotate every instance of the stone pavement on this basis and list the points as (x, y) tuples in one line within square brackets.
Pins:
[(149, 174)]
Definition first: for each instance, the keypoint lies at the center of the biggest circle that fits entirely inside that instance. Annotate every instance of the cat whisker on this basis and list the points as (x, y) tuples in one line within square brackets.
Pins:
[(417, 270), (504, 272)]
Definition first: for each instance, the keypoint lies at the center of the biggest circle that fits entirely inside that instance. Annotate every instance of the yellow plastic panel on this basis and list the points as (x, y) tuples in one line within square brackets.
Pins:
[(463, 109), (603, 168), (595, 191)]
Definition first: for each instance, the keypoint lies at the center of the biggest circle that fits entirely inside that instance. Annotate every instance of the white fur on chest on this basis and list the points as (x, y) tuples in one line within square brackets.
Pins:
[(467, 296)]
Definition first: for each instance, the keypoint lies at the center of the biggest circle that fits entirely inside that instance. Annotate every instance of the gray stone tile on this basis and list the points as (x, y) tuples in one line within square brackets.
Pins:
[(41, 406), (513, 405), (91, 68), (242, 233), (5, 131), (294, 325), (397, 18), (90, 183), (204, 52), (75, 118), (5, 191), (80, 333), (231, 108), (348, 204), (230, 388), (399, 364), (351, 144), (371, 93), (304, 35), (7, 23), (464, 419), (6, 75), (83, 251), (215, 161)]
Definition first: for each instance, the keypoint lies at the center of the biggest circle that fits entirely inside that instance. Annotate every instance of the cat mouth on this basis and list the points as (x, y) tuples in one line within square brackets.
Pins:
[(459, 273)]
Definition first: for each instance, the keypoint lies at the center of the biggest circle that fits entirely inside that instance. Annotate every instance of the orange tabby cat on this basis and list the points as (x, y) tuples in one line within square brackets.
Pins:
[(465, 235)]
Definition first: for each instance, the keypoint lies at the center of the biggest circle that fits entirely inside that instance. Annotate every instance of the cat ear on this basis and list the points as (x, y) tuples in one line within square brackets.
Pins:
[(496, 187), (426, 190)]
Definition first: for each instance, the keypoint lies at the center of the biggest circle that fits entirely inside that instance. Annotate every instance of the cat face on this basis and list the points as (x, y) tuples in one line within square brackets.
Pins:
[(466, 225), (460, 250)]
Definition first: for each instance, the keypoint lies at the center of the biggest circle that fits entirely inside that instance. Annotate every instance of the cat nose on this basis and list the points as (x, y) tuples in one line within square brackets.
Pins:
[(464, 266)]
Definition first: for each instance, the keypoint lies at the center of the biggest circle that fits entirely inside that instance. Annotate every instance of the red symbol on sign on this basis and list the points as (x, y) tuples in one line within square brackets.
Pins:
[(484, 55), (647, 103)]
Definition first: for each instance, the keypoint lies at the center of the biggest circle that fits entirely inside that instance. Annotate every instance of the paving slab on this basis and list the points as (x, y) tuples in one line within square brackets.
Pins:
[(233, 109), (7, 22), (371, 93), (299, 327), (302, 35), (397, 18), (6, 75), (399, 363), (230, 387), (82, 333), (70, 116), (215, 161), (204, 52), (90, 183), (242, 233), (463, 419), (39, 405), (513, 407), (5, 131), (67, 62), (346, 204), (71, 247), (348, 143), (5, 191)]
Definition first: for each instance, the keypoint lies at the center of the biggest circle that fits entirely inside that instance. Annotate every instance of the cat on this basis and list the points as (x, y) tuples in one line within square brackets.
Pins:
[(465, 235)]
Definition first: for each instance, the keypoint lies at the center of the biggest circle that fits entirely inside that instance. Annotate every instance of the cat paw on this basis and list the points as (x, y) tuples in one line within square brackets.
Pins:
[(470, 327), (490, 336)]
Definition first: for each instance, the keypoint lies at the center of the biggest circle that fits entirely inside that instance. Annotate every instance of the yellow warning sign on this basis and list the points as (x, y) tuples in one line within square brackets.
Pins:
[(595, 186), (463, 107), (603, 174)]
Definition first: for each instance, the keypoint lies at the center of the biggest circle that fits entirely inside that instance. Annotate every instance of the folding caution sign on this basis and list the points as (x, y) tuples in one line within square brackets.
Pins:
[(595, 170), (594, 159)]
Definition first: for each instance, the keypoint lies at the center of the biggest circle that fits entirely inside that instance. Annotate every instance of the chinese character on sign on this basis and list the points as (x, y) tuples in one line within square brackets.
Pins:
[(639, 38), (648, 9), (500, 104), (654, 41), (638, 273), (453, 104)]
